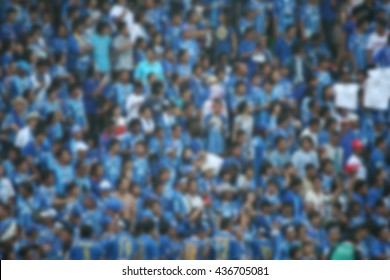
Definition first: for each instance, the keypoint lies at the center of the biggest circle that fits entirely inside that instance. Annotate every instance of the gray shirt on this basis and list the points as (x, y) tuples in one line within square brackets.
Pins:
[(123, 60)]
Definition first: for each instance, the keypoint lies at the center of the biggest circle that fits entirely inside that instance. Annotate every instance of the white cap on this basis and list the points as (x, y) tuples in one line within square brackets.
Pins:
[(81, 147), (105, 185), (48, 213)]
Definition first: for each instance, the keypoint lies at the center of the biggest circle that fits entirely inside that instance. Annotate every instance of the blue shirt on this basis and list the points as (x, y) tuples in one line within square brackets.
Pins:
[(225, 246), (147, 248), (122, 246), (85, 249), (284, 11), (382, 58), (357, 45)]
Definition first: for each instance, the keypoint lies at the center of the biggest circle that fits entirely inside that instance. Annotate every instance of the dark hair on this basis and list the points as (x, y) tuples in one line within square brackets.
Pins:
[(85, 231)]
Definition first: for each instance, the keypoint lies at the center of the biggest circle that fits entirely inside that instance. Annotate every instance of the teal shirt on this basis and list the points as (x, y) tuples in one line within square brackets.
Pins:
[(101, 52), (144, 68)]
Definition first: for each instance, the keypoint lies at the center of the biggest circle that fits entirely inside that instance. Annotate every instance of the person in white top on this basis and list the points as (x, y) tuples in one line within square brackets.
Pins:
[(355, 160), (377, 40), (335, 152), (193, 201), (25, 135), (7, 191), (134, 102), (120, 12), (147, 121), (312, 131), (315, 198)]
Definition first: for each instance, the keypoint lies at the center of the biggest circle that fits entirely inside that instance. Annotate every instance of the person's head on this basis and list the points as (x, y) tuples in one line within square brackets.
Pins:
[(281, 143), (11, 15), (140, 148), (310, 170), (381, 143), (287, 210), (307, 143), (97, 170), (317, 183), (32, 120), (123, 29), (64, 156), (361, 25), (26, 190), (75, 91), (217, 106), (250, 33), (192, 187), (226, 224), (268, 85), (157, 88), (335, 139), (296, 185), (272, 188), (183, 56), (147, 226), (86, 231), (314, 125), (291, 32), (240, 87), (145, 112), (79, 26), (4, 211), (315, 219), (327, 166), (383, 234), (135, 126), (123, 77), (102, 28), (150, 54), (295, 253), (334, 234), (113, 147), (360, 187), (381, 27), (176, 18)]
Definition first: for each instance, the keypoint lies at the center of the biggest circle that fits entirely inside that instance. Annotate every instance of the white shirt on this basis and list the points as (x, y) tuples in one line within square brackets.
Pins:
[(133, 103), (147, 125), (37, 82), (6, 190), (317, 199), (362, 171), (128, 17), (376, 43), (138, 31), (193, 202), (23, 137)]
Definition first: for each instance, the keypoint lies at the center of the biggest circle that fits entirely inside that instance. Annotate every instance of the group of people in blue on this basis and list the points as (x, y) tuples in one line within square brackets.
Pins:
[(193, 129)]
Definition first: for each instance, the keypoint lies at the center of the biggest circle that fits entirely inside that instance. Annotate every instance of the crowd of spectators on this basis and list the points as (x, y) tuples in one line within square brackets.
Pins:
[(193, 129)]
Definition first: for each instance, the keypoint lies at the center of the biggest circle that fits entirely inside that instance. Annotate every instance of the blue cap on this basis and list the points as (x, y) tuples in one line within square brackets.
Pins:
[(31, 229), (76, 129), (75, 211), (106, 220), (113, 204), (187, 169), (147, 214), (379, 119), (24, 66)]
